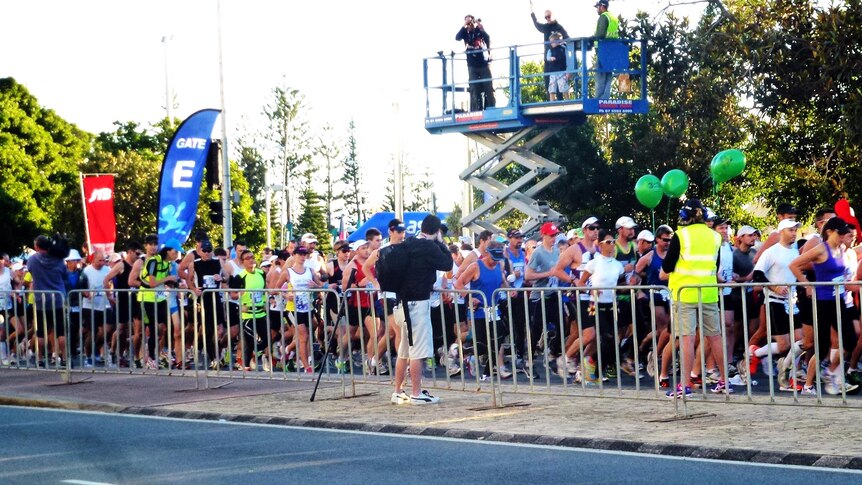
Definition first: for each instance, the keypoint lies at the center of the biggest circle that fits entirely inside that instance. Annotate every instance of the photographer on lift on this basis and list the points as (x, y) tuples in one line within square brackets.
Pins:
[(478, 44)]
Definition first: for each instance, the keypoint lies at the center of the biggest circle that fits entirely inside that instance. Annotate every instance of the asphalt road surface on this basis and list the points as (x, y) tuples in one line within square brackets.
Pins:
[(48, 446)]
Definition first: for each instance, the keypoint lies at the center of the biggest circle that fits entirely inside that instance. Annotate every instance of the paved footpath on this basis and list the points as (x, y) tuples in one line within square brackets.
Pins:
[(801, 435)]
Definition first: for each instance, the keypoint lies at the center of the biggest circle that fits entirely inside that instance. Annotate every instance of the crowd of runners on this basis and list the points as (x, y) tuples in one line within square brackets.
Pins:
[(546, 307)]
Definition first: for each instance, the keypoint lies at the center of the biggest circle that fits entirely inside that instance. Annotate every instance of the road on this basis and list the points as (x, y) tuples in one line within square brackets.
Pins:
[(49, 446)]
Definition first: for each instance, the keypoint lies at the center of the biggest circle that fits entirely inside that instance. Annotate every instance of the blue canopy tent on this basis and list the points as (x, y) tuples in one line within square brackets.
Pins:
[(412, 221)]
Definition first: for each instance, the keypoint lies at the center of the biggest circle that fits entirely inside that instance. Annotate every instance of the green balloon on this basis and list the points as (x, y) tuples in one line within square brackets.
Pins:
[(648, 191), (674, 183), (727, 164)]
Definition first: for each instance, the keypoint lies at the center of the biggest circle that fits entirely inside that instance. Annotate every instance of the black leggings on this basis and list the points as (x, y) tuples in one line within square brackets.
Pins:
[(255, 337)]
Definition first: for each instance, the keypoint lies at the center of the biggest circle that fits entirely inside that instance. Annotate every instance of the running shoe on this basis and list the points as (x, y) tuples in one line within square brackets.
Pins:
[(712, 377), (784, 375), (652, 365), (721, 388), (340, 366), (504, 371), (809, 390), (382, 369), (664, 382), (628, 366), (424, 398), (753, 360), (696, 381), (790, 385), (400, 397), (610, 372), (590, 370), (453, 368), (679, 393), (562, 369)]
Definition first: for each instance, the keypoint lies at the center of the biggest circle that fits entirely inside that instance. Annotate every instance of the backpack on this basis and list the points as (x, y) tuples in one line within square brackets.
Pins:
[(391, 267)]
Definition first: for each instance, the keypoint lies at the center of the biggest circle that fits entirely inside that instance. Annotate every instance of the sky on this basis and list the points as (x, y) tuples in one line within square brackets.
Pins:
[(99, 61)]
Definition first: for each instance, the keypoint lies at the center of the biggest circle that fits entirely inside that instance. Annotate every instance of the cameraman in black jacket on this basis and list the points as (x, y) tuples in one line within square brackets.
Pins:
[(426, 254)]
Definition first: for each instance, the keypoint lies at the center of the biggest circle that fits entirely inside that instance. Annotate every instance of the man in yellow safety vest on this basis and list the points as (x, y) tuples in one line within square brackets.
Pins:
[(691, 265), (607, 27)]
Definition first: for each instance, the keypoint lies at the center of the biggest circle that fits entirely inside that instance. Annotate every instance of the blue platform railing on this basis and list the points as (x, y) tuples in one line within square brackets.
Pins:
[(519, 84)]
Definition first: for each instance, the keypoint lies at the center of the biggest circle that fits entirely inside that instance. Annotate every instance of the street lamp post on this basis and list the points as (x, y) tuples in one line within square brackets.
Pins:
[(168, 103), (271, 188)]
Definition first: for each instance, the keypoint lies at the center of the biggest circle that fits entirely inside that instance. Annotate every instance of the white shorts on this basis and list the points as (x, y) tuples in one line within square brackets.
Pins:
[(557, 83), (420, 319)]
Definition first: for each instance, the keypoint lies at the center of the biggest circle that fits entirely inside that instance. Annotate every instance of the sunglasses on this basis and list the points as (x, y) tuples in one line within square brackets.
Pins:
[(206, 251), (548, 17), (665, 239), (592, 228), (608, 241)]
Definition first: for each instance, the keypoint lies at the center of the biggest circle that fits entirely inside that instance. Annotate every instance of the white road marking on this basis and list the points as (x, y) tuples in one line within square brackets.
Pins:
[(85, 482)]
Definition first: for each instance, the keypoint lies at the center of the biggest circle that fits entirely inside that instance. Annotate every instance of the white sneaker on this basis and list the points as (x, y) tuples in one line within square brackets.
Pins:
[(453, 368), (562, 368), (424, 398), (652, 366), (504, 372), (400, 398)]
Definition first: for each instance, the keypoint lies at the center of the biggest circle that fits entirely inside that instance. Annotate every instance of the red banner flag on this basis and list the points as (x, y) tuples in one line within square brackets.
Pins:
[(99, 211)]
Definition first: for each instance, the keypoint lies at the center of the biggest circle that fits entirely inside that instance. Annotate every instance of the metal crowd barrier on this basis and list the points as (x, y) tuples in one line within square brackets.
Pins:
[(535, 326)]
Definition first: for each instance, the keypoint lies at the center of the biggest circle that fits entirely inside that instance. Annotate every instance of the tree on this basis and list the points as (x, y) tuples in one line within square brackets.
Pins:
[(254, 170), (312, 218), (453, 221), (290, 153), (328, 149), (353, 196), (39, 157)]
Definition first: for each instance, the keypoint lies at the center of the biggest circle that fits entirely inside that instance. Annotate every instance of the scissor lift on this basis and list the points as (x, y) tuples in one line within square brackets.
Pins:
[(512, 131)]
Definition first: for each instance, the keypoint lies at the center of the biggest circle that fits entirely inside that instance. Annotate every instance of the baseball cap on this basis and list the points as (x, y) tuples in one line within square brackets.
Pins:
[(496, 254), (625, 221), (466, 240), (514, 233), (787, 223), (206, 245), (301, 250), (396, 225), (785, 208), (709, 215), (589, 221), (114, 258), (720, 221), (646, 236), (17, 266), (358, 244), (601, 2), (266, 263), (549, 229), (745, 231), (74, 255), (308, 238), (572, 233)]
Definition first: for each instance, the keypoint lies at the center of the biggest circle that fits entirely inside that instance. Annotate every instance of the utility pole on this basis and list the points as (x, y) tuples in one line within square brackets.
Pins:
[(225, 191)]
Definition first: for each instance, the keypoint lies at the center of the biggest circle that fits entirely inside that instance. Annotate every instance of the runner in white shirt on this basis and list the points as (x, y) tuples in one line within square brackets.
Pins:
[(773, 268), (301, 279), (602, 270), (95, 306)]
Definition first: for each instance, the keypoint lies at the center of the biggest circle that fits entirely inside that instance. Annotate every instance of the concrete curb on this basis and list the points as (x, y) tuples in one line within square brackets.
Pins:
[(665, 449)]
